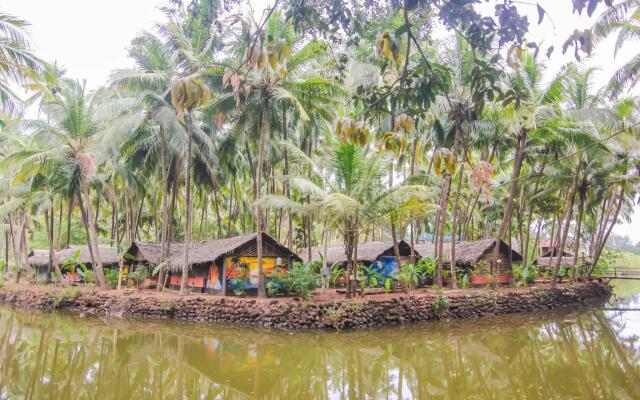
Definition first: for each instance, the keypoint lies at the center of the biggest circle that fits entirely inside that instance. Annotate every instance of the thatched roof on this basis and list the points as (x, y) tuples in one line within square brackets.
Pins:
[(209, 251), (467, 252), (367, 252), (555, 252), (151, 252), (38, 257), (567, 261), (109, 255)]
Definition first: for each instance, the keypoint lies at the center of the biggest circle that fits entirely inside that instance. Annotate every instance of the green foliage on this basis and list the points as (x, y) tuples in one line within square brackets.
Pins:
[(301, 280), (334, 316), (86, 275), (482, 267), (335, 273), (139, 274), (463, 281), (2, 279), (408, 277), (426, 270), (370, 277), (111, 275), (66, 295), (524, 275), (440, 305), (163, 265)]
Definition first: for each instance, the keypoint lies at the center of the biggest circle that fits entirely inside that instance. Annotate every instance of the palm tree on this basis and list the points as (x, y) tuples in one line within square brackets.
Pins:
[(349, 195), (16, 59), (281, 81), (530, 107), (71, 142), (621, 18)]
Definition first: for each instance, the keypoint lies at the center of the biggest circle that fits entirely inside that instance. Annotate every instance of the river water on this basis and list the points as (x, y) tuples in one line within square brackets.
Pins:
[(588, 354)]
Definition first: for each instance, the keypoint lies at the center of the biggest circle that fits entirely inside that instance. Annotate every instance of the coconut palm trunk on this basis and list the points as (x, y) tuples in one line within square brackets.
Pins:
[(53, 260), (454, 228), (264, 131), (165, 210), (576, 238), (444, 204), (394, 233), (566, 223), (515, 177), (93, 235), (603, 240), (188, 206)]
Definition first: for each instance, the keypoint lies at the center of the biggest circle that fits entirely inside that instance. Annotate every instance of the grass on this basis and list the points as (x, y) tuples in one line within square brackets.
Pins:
[(627, 260)]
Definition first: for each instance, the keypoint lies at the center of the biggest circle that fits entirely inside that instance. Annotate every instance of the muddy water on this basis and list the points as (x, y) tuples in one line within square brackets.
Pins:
[(583, 354)]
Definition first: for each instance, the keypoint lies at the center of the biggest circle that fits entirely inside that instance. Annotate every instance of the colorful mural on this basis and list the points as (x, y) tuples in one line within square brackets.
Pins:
[(385, 266), (235, 266)]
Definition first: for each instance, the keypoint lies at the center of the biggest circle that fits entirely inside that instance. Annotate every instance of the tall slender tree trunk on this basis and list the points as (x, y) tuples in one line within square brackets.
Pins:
[(14, 242), (264, 131), (515, 177), (6, 253), (22, 247), (188, 205), (454, 227), (216, 194), (93, 235), (444, 204), (603, 240), (394, 233), (53, 260), (525, 253), (59, 235), (566, 224), (69, 215), (576, 236)]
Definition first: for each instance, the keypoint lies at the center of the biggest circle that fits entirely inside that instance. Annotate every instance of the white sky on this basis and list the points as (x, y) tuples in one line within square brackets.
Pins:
[(89, 38)]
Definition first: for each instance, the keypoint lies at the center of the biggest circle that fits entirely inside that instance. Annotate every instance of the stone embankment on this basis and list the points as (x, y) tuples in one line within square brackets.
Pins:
[(290, 314)]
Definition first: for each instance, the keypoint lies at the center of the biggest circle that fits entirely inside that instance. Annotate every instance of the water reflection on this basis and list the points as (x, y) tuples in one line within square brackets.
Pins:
[(581, 355)]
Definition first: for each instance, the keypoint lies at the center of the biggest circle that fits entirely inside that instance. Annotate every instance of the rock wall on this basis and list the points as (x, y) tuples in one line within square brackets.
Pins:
[(289, 314)]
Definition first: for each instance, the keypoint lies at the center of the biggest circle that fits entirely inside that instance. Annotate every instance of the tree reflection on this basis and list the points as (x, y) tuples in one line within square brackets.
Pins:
[(564, 356)]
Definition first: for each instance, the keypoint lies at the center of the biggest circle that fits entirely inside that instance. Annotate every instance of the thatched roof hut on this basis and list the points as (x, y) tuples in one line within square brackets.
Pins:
[(211, 251), (367, 252), (150, 252), (471, 251), (109, 256)]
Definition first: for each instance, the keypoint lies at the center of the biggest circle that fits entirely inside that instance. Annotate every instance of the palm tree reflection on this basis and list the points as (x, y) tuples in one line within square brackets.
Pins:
[(570, 355)]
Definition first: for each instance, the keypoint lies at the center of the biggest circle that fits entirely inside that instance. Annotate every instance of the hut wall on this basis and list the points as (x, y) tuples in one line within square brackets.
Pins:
[(504, 265)]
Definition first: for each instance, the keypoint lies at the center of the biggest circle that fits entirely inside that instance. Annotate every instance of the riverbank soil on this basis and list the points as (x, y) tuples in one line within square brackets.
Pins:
[(327, 309)]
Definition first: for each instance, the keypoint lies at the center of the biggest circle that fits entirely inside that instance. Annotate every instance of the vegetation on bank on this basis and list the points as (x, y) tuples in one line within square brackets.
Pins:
[(320, 125)]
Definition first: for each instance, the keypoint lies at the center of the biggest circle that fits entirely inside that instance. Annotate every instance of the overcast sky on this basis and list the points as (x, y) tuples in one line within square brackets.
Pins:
[(89, 38)]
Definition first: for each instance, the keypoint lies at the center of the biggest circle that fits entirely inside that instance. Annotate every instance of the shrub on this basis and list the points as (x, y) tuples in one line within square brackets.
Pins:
[(408, 277), (112, 278), (139, 274), (426, 270), (336, 272), (87, 275), (64, 296), (2, 280), (301, 280), (524, 275), (463, 281), (334, 316), (440, 305)]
